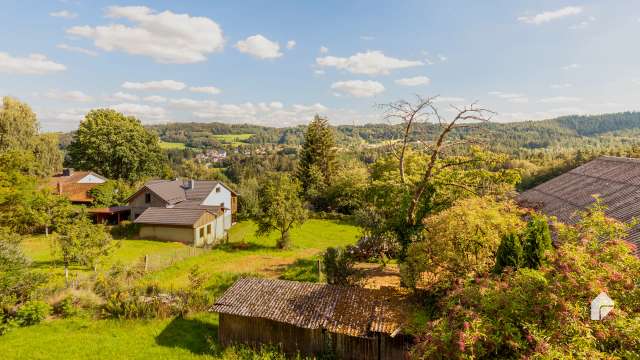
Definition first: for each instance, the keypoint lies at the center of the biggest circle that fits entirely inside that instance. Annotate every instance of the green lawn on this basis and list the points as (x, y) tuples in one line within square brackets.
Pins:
[(172, 145), (81, 338), (260, 256), (232, 138)]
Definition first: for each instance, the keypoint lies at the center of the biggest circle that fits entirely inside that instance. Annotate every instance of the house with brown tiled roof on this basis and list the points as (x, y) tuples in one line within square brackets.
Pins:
[(190, 211), (616, 180), (313, 319), (75, 185)]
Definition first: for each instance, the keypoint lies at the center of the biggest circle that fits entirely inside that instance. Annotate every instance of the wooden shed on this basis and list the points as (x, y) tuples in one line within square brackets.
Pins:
[(313, 319)]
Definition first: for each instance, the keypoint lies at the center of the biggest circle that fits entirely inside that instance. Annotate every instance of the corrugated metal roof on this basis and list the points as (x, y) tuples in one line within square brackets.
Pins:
[(616, 180), (170, 216), (348, 310)]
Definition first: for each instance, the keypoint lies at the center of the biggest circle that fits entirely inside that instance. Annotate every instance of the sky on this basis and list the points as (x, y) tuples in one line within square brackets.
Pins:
[(278, 63)]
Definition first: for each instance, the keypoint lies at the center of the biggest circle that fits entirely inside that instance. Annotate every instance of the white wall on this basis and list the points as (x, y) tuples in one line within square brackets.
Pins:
[(216, 198), (90, 179)]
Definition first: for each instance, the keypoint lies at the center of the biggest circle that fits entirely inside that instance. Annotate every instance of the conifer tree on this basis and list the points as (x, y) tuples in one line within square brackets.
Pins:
[(318, 153)]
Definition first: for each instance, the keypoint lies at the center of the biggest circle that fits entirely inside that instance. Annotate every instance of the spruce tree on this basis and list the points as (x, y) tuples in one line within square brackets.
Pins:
[(509, 253), (318, 153), (536, 241)]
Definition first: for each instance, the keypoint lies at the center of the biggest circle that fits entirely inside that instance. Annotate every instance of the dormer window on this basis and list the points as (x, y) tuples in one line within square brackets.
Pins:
[(147, 198)]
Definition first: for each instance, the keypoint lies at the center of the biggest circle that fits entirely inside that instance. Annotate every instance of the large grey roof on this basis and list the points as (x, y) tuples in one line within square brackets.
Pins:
[(616, 180), (170, 191), (170, 216), (347, 310)]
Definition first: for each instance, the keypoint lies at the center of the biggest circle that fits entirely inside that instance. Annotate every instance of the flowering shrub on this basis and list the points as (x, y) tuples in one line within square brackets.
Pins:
[(545, 313)]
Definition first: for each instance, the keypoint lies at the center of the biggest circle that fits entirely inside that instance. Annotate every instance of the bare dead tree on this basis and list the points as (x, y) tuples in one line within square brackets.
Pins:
[(424, 110)]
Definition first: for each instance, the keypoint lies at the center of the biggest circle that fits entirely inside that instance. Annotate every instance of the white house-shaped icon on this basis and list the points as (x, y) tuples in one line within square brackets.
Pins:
[(601, 306)]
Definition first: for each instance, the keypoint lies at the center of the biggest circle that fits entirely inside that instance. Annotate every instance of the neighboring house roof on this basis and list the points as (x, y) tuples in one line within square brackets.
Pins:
[(348, 310), (195, 204), (178, 191), (170, 216), (73, 186), (616, 180)]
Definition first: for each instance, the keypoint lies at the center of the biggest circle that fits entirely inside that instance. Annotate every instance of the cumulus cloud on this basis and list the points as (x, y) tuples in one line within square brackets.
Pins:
[(272, 113), (291, 44), (77, 49), (414, 81), (166, 37), (324, 50), (560, 86), (155, 99), (144, 112), (34, 64), (358, 88), (155, 85), (260, 47), (211, 90), (510, 97), (125, 96), (442, 58), (368, 63), (571, 67), (367, 37), (64, 14), (560, 99), (547, 16), (73, 95)]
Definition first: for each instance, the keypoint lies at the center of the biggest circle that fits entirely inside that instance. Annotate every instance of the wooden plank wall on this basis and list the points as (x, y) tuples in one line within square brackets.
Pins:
[(293, 340)]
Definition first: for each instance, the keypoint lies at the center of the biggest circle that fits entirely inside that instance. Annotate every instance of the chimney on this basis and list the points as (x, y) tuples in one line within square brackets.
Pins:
[(67, 171), (188, 184), (59, 188)]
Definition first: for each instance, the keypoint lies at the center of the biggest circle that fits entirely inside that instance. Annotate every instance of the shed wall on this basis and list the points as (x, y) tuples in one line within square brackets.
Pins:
[(167, 233)]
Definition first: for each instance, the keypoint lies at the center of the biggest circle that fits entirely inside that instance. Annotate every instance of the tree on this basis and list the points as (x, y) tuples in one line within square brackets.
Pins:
[(116, 146), (536, 240), (434, 170), (509, 253), (18, 125), (338, 266), (17, 281), (317, 155), (111, 193), (50, 211), (82, 242), (280, 207)]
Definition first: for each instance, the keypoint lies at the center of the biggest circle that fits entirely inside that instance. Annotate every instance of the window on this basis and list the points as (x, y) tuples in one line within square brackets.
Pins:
[(147, 198), (218, 189), (209, 229), (202, 232)]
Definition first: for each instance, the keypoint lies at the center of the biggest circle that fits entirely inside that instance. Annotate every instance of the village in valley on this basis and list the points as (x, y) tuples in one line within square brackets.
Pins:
[(160, 222)]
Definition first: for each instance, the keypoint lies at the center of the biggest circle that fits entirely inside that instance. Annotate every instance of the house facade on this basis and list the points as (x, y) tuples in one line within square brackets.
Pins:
[(156, 204)]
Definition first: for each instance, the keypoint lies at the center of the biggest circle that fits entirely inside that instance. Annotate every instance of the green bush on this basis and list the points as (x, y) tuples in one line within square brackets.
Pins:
[(32, 312), (339, 266), (509, 253), (536, 240), (125, 230), (65, 307)]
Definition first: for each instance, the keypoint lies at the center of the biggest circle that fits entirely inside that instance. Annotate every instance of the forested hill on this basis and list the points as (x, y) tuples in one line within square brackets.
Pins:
[(562, 131)]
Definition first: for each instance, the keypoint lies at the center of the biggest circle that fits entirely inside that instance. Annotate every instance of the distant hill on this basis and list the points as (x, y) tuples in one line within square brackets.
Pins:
[(566, 131)]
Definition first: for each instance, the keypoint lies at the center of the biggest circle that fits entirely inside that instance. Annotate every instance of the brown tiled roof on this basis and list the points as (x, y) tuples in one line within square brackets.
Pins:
[(616, 180), (169, 191), (74, 191), (170, 216), (353, 311)]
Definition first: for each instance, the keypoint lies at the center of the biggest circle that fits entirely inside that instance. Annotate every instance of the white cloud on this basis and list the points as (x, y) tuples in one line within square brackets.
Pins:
[(571, 67), (125, 96), (448, 99), (414, 81), (560, 99), (64, 14), (510, 97), (144, 112), (34, 64), (358, 88), (211, 90), (318, 72), (74, 95), (276, 105), (273, 113), (551, 15), (367, 37), (442, 58), (291, 44), (583, 24), (166, 37), (369, 63), (155, 85), (155, 99), (560, 86), (77, 49), (324, 49), (260, 47), (189, 103)]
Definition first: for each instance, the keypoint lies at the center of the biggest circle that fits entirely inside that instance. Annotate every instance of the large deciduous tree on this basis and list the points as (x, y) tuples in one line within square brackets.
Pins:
[(280, 207), (116, 146), (317, 157)]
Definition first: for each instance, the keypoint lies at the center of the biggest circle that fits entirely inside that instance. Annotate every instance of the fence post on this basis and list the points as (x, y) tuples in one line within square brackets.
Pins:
[(319, 269), (146, 263)]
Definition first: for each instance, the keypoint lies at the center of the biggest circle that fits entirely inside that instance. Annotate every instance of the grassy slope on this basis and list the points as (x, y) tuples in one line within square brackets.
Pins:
[(81, 338), (261, 256), (171, 145)]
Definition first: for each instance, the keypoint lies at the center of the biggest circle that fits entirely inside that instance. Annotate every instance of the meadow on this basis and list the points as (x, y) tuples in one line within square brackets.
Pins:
[(193, 337)]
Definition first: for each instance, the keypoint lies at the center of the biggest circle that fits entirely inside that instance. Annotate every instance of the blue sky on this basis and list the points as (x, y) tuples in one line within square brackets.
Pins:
[(278, 63)]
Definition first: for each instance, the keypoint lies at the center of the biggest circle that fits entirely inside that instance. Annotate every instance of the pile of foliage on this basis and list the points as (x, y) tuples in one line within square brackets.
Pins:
[(544, 313)]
